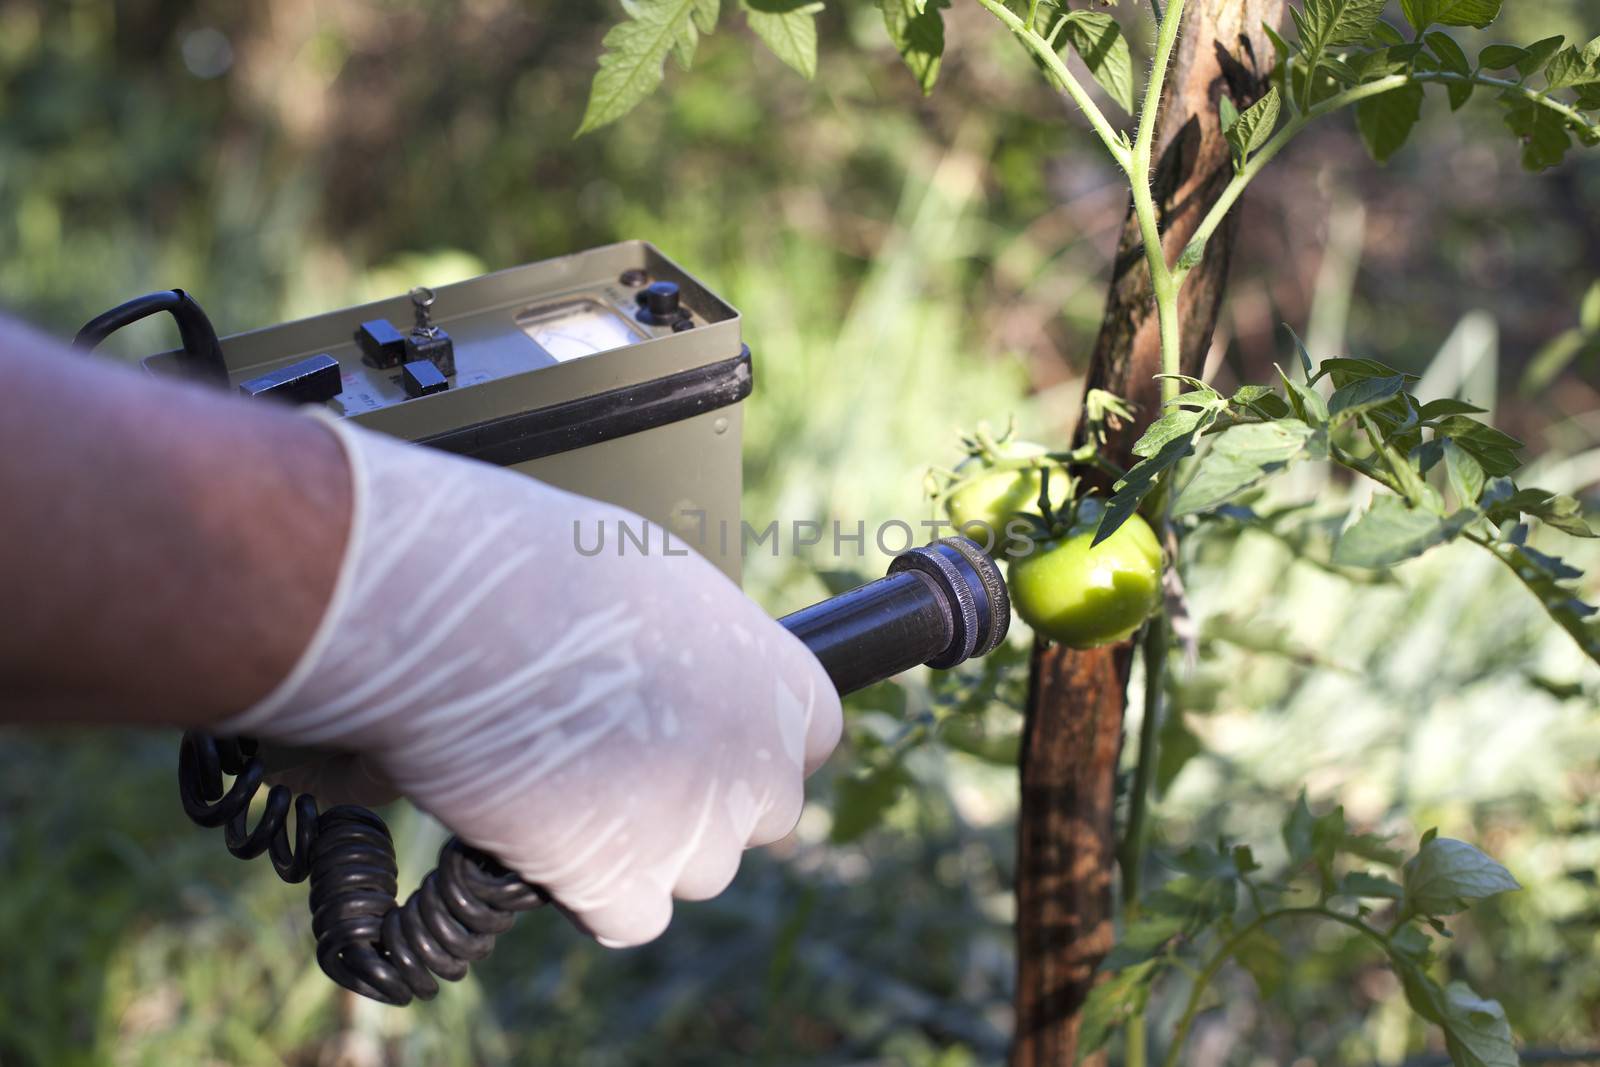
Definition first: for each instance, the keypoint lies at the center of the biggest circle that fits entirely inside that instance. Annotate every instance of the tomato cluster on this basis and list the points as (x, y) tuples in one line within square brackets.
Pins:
[(1065, 586)]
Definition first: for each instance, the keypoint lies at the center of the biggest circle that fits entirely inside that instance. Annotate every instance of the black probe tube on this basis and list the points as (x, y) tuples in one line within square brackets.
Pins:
[(940, 605), (877, 630)]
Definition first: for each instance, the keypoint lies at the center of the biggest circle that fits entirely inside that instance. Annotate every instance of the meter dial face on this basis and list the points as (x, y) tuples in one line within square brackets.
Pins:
[(580, 328)]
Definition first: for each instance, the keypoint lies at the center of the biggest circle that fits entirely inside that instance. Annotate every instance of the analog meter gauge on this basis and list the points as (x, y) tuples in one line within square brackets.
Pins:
[(578, 328)]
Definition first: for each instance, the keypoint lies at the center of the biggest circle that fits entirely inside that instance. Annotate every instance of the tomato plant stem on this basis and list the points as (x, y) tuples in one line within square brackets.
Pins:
[(1163, 283), (1236, 942), (1131, 853), (1045, 51)]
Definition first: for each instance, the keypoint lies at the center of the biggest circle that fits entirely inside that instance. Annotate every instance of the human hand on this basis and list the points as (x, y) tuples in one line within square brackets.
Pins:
[(615, 728)]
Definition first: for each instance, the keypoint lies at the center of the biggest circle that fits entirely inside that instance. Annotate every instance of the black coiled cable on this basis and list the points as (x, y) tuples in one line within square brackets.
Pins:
[(367, 941)]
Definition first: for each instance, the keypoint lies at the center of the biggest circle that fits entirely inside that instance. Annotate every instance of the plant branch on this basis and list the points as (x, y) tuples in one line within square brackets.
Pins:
[(1233, 944), (1131, 853), (1164, 284), (1291, 129), (1041, 48)]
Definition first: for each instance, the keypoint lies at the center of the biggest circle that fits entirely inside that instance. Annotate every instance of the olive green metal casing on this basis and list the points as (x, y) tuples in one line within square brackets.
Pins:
[(653, 426)]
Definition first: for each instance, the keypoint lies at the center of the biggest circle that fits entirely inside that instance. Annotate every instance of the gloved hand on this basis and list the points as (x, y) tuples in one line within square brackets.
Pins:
[(614, 728)]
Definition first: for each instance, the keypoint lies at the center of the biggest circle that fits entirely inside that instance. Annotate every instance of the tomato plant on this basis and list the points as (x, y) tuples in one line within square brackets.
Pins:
[(1437, 473)]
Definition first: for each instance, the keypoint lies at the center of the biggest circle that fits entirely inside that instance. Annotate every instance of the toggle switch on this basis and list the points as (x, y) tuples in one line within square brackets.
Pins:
[(309, 381), (422, 378), (381, 344)]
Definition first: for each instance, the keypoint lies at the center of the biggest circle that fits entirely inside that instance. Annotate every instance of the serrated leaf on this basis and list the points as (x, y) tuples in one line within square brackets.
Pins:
[(917, 30), (1255, 127), (1098, 40), (1239, 458), (1111, 1004), (1390, 533), (1476, 13), (1337, 22), (1447, 876), (1134, 486), (1386, 121), (1536, 55), (635, 53), (788, 28), (1343, 370), (1361, 395), (1545, 577), (1178, 422), (1495, 452), (1557, 510)]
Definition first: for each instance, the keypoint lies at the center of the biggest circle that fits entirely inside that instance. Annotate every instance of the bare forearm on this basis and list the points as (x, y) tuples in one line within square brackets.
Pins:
[(165, 551)]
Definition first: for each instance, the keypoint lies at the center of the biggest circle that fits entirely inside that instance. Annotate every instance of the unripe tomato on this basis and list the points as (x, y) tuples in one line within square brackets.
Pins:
[(991, 501), (1083, 596)]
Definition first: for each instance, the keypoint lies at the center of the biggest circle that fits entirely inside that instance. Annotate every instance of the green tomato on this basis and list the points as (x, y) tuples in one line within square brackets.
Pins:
[(1083, 597), (984, 507)]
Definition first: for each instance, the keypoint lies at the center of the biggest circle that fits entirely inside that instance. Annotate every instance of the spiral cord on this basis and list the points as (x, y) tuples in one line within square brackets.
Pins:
[(367, 941)]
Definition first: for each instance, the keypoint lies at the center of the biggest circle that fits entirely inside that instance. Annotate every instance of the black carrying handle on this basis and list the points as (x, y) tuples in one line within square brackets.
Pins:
[(202, 352)]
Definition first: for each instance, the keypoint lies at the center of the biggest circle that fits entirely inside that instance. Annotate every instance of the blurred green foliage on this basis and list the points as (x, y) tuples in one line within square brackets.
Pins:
[(906, 267)]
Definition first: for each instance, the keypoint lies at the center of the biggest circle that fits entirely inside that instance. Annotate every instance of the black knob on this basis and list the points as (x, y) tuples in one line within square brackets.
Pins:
[(660, 304)]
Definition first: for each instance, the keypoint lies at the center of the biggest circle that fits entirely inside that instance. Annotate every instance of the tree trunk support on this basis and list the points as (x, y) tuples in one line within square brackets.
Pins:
[(1066, 840)]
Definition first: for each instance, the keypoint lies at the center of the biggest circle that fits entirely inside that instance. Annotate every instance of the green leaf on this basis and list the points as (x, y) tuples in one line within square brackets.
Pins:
[(1326, 23), (1361, 395), (1386, 121), (1255, 127), (1506, 503), (631, 67), (1465, 474), (860, 803), (1438, 409), (1178, 746), (1390, 533), (1476, 13), (1501, 56), (1179, 422), (1547, 577), (1239, 458), (1111, 1004), (1297, 830), (917, 30), (1368, 886), (1144, 939), (1536, 55), (1344, 370), (788, 28), (1454, 60), (1098, 39), (1495, 452), (1263, 956), (1545, 140), (1163, 445), (1447, 876), (1476, 1033)]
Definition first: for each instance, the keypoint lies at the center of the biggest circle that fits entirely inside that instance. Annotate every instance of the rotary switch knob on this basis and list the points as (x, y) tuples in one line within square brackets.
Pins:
[(660, 304)]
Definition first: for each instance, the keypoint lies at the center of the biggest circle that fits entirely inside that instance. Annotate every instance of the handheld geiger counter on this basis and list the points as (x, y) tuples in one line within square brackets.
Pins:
[(612, 373)]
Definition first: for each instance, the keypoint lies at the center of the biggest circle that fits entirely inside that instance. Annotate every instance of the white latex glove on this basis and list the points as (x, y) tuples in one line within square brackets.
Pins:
[(616, 729)]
